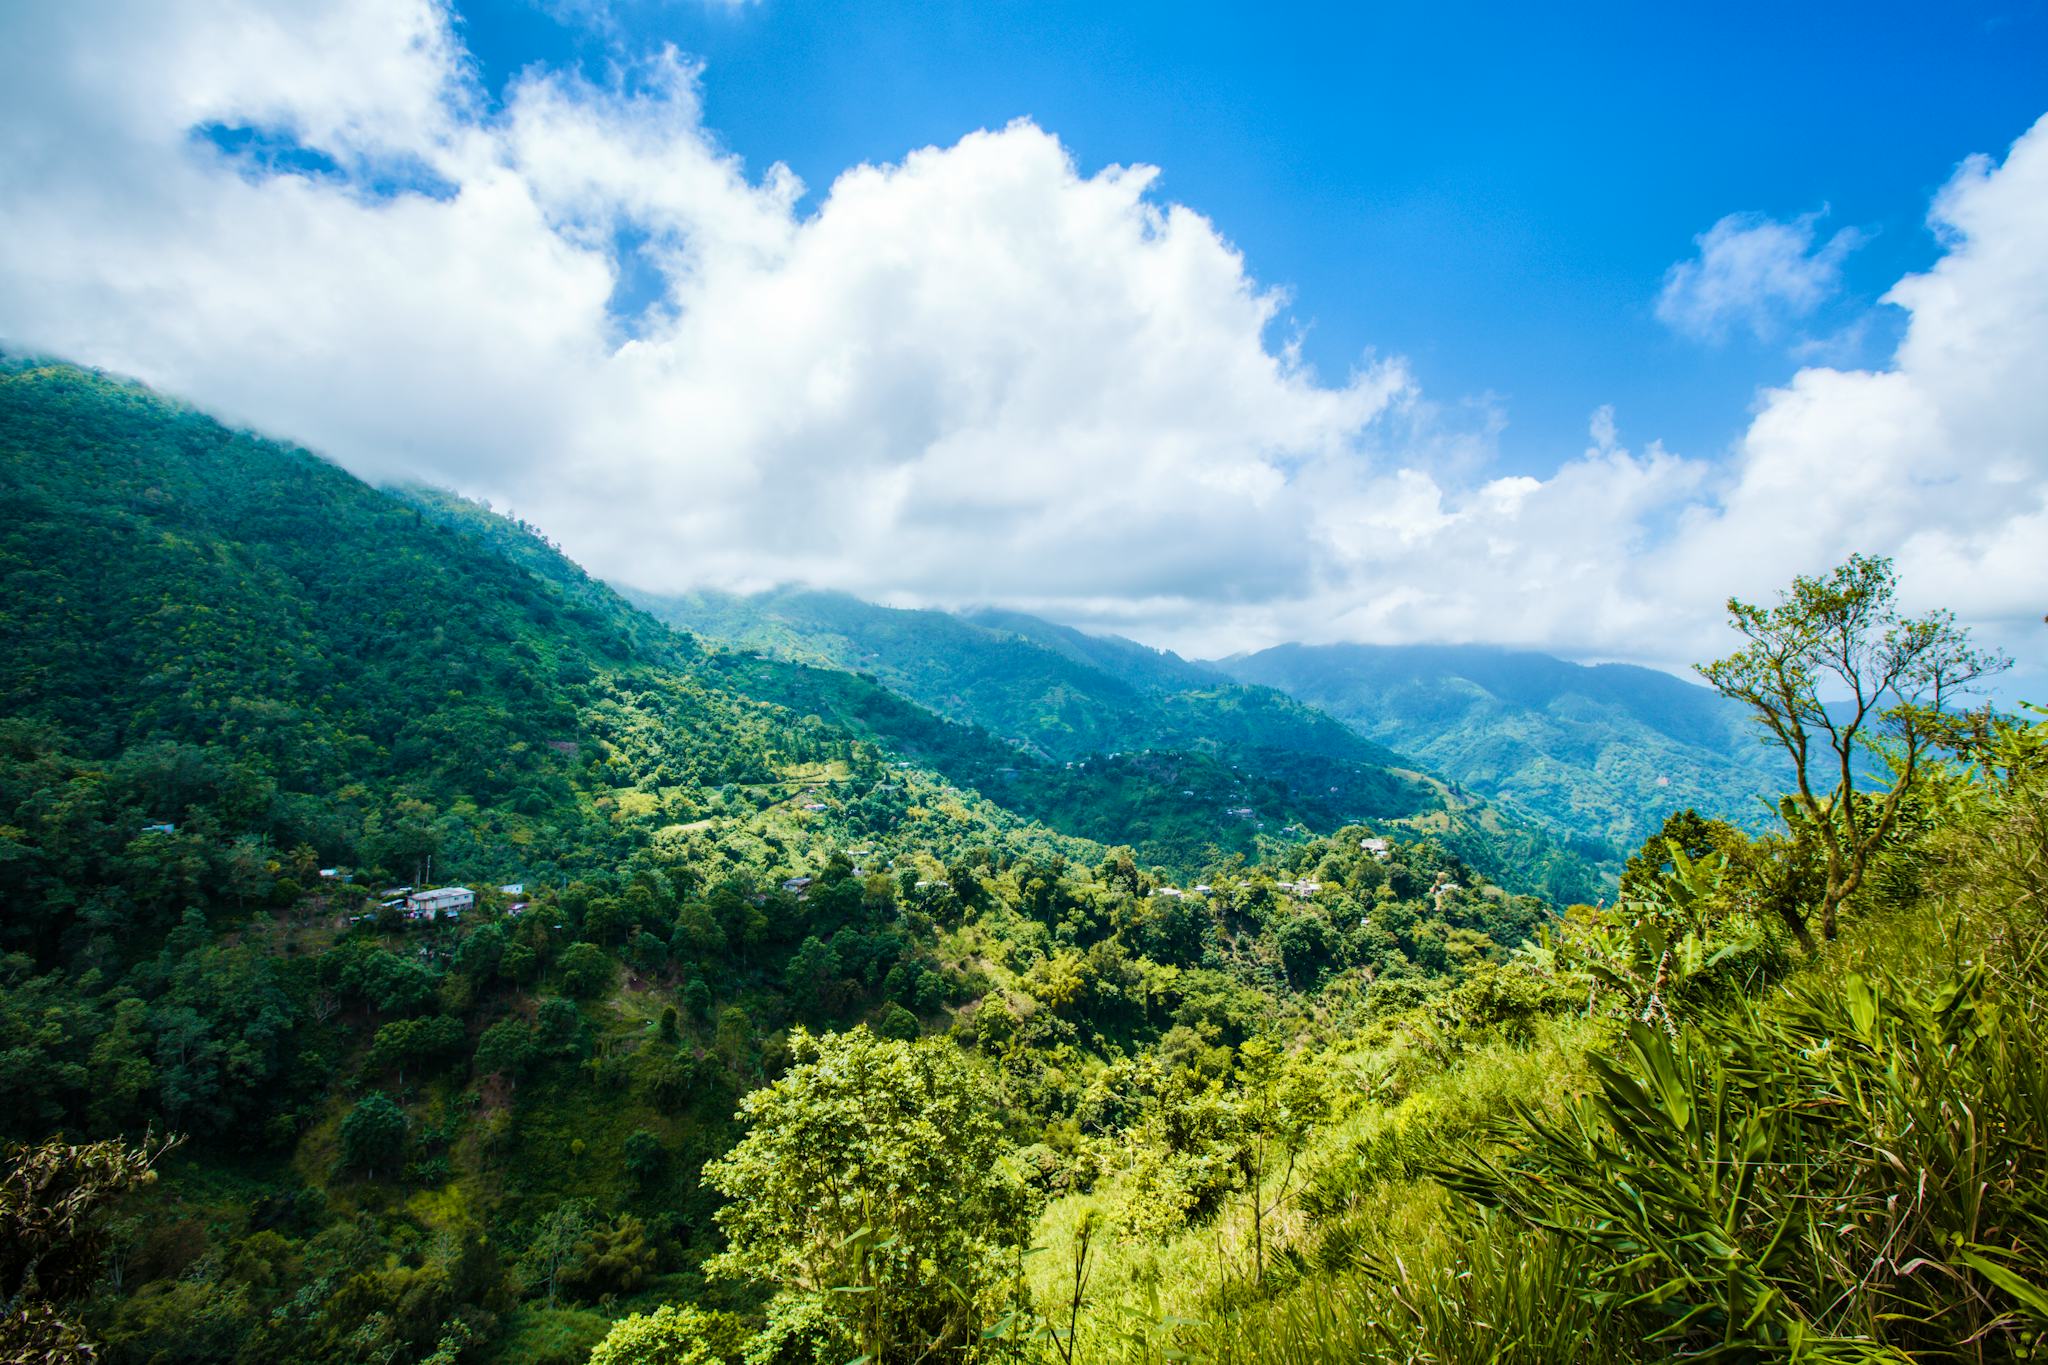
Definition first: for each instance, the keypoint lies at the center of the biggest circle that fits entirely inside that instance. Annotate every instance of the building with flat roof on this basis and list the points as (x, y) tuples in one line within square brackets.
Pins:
[(443, 902)]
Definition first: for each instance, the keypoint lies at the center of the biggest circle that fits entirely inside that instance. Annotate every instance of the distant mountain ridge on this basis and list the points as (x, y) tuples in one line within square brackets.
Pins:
[(1064, 696), (1595, 755), (1058, 692), (1606, 749), (1135, 663)]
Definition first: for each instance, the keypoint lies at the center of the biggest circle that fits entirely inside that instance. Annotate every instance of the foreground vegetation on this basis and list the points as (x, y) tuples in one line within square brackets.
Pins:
[(1842, 1164)]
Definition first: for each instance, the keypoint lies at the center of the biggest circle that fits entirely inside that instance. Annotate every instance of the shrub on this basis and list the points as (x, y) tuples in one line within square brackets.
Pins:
[(586, 972), (927, 1215), (671, 1335), (373, 1134)]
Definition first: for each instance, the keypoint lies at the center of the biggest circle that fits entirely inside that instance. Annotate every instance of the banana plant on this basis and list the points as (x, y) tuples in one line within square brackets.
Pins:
[(1647, 958)]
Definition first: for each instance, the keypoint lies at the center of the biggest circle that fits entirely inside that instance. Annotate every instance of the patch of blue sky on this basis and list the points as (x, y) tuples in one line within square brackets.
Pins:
[(261, 153), (640, 287)]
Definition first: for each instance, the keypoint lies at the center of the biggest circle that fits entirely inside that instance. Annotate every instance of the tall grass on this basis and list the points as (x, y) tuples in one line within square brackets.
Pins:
[(1367, 1197), (1495, 1294), (1853, 1167), (1850, 1166)]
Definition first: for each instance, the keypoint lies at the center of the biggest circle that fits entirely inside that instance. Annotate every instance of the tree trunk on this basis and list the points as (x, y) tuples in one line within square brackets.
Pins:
[(1796, 922)]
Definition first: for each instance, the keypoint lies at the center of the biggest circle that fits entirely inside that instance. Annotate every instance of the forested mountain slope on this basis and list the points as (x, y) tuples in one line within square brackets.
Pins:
[(176, 580), (245, 700), (174, 583), (1053, 690), (1601, 751), (1179, 809), (1121, 708)]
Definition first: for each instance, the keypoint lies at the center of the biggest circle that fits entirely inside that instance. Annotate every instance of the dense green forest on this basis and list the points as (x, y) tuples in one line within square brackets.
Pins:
[(795, 1022), (247, 697), (1056, 692)]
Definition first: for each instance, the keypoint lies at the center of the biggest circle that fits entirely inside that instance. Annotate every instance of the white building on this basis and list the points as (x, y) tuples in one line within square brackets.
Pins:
[(446, 902)]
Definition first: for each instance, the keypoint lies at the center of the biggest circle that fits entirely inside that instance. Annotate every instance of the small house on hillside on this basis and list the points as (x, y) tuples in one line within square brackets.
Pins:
[(796, 886), (445, 902)]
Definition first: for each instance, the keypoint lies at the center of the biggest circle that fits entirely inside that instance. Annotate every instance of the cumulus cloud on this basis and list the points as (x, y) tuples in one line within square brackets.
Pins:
[(1754, 273), (1940, 458), (980, 374)]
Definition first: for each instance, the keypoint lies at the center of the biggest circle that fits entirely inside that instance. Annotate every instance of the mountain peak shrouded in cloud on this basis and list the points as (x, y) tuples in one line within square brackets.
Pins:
[(979, 373)]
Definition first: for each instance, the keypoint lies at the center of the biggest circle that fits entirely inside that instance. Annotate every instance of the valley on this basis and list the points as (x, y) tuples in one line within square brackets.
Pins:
[(444, 958)]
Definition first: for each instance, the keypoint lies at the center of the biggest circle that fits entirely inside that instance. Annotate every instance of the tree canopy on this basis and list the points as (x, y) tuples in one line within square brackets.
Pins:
[(1831, 668), (874, 1189)]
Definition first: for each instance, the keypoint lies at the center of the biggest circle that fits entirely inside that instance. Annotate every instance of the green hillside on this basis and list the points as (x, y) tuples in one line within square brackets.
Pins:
[(1600, 752), (1179, 746), (244, 699), (1057, 692), (1172, 807), (772, 1027)]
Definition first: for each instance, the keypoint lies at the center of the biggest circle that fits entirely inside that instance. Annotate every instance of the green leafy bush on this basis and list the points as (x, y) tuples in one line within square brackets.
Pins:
[(874, 1185)]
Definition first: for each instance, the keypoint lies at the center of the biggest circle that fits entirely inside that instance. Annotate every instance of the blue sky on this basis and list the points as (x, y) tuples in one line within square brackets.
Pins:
[(1214, 327), (1493, 191)]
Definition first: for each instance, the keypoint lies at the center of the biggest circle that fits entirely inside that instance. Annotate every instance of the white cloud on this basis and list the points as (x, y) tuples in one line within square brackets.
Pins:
[(1753, 272), (981, 374), (1941, 458)]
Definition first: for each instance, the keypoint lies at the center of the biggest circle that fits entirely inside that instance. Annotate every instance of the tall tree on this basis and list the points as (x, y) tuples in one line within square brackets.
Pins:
[(373, 1134), (1892, 679), (873, 1190)]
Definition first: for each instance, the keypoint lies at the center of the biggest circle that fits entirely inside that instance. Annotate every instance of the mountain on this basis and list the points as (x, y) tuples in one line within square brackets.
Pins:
[(176, 584), (1121, 710), (1605, 751), (245, 698), (1056, 692), (420, 650), (1173, 807)]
